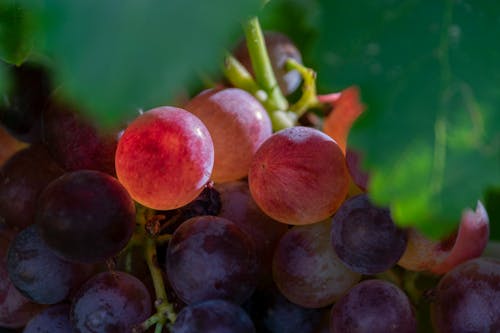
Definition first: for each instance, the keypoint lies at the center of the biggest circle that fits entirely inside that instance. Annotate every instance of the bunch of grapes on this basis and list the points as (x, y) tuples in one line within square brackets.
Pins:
[(224, 214)]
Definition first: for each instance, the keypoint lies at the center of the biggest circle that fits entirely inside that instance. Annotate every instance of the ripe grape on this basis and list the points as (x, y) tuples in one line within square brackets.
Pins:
[(373, 306), (299, 176), (211, 257), (22, 179), (213, 316), (307, 270), (54, 319), (467, 298), (280, 48), (38, 272), (164, 158), (15, 309), (238, 206), (75, 142), (86, 216), (440, 257), (365, 237), (110, 302), (238, 124), (359, 176)]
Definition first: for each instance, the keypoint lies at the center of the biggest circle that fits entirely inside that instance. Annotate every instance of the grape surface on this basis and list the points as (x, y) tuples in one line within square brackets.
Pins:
[(54, 319)]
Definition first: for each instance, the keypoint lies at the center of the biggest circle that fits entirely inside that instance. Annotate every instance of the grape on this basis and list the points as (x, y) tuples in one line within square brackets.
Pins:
[(365, 237), (164, 158), (210, 257), (54, 319), (299, 176), (440, 257), (15, 309), (238, 124), (271, 312), (467, 298), (373, 306), (75, 142), (38, 272), (86, 216), (213, 316), (307, 270), (21, 108), (280, 48), (238, 206), (111, 302), (22, 179)]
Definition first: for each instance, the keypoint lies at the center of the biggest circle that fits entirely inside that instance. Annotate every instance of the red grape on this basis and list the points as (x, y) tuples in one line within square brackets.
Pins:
[(164, 158)]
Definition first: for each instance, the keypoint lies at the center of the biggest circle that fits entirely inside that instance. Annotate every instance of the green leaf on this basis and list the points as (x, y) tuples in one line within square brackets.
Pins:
[(429, 75), (16, 32), (115, 57)]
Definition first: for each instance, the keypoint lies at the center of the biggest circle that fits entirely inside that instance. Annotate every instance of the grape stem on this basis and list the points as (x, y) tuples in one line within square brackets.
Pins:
[(309, 97), (164, 309)]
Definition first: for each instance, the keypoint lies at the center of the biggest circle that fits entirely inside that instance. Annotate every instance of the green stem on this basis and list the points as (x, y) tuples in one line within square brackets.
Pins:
[(264, 75), (162, 239), (239, 77), (164, 308), (309, 97)]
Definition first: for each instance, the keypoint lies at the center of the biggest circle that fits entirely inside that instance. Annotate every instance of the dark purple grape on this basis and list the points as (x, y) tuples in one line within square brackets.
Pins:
[(468, 298), (86, 216), (307, 270), (213, 316), (365, 237), (271, 312), (358, 175), (110, 302), (75, 142), (280, 48), (373, 306), (21, 108), (54, 319), (238, 206), (15, 309), (38, 272), (22, 179), (210, 257)]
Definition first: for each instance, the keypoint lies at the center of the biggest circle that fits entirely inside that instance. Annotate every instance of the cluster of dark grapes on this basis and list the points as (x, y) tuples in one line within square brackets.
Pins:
[(252, 231)]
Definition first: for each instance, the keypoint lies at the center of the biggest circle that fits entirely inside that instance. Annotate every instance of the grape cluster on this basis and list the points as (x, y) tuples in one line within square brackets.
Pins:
[(201, 218)]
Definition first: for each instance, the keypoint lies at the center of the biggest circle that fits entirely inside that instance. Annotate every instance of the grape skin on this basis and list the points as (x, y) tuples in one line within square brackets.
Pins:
[(38, 272), (299, 176), (213, 316), (365, 237), (86, 216), (54, 319), (15, 309), (111, 302), (307, 270), (22, 178), (373, 306), (238, 206), (238, 125), (467, 298), (210, 257), (164, 158)]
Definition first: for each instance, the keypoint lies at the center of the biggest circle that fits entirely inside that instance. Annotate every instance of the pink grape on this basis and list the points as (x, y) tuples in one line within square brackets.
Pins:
[(164, 158), (299, 176), (238, 125)]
